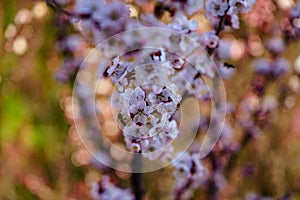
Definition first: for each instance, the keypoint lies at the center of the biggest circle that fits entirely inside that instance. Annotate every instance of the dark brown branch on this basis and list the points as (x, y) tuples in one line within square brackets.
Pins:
[(137, 185), (222, 21), (57, 8), (137, 179)]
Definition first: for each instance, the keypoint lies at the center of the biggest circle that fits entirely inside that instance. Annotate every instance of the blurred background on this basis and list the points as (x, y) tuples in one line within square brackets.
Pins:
[(36, 152), (41, 156)]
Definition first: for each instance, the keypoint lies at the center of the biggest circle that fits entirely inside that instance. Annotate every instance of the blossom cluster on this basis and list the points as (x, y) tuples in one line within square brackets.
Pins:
[(189, 174), (148, 96), (229, 10), (145, 111), (105, 190), (295, 19), (150, 85)]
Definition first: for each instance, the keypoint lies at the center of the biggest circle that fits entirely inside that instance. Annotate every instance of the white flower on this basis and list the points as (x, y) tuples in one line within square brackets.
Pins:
[(235, 22), (253, 196), (182, 24), (138, 106), (233, 19), (149, 74), (121, 85), (187, 169), (135, 131), (280, 67), (295, 12), (117, 70), (172, 129), (216, 7), (269, 104), (201, 90), (223, 49), (197, 167), (105, 190), (209, 39), (74, 42), (137, 95), (193, 6), (140, 119), (135, 147), (177, 63), (262, 66), (112, 16), (87, 7), (153, 153), (276, 45), (201, 64), (227, 71), (227, 133), (182, 170), (243, 6), (156, 129)]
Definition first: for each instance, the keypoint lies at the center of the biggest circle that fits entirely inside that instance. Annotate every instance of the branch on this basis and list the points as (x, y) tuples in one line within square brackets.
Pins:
[(137, 185), (57, 8), (222, 20), (137, 179)]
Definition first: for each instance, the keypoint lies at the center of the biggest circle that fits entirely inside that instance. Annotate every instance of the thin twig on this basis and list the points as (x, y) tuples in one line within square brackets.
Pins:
[(57, 8)]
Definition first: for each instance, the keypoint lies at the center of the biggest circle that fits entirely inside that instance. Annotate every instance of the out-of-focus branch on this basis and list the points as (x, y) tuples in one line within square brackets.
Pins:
[(222, 21), (290, 194), (233, 157), (57, 8), (212, 187)]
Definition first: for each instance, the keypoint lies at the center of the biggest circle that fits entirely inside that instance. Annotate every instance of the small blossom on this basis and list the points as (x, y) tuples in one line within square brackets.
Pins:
[(193, 6), (295, 12), (85, 7), (112, 16), (295, 18), (269, 104), (188, 170), (223, 50), (189, 7), (136, 147), (276, 45), (253, 196), (209, 40), (280, 67), (232, 19), (227, 71), (242, 6), (105, 190), (201, 90), (118, 70), (178, 63), (216, 7), (138, 95), (182, 24), (262, 66)]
